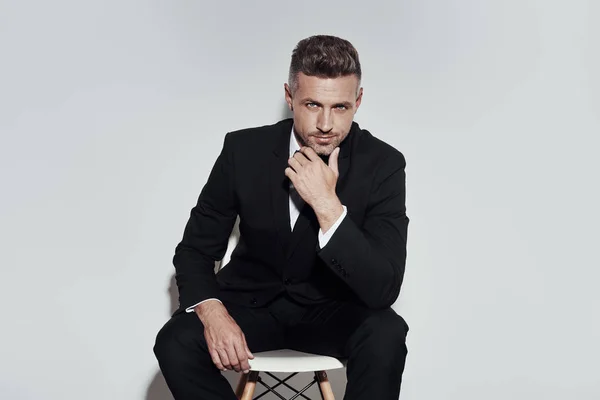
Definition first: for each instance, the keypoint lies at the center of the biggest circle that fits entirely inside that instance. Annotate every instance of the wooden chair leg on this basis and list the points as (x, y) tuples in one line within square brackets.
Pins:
[(247, 385), (241, 385), (324, 385)]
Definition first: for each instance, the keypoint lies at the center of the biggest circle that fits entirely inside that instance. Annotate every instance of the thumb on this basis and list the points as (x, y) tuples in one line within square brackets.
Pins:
[(333, 161)]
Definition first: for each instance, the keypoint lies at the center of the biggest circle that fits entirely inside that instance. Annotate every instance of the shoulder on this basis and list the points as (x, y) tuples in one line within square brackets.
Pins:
[(259, 136), (379, 155)]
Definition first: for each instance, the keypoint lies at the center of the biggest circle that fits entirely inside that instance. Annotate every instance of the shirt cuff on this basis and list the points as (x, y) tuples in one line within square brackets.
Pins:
[(191, 308), (324, 237)]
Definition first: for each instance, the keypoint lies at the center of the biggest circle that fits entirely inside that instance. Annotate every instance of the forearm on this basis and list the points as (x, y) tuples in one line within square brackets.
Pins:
[(371, 257), (195, 276), (206, 234), (374, 271)]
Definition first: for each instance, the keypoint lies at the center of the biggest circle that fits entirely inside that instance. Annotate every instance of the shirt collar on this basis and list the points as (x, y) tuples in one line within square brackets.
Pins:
[(294, 146)]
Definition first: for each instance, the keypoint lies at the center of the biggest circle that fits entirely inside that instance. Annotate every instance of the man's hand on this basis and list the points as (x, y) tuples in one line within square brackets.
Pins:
[(226, 341), (315, 182)]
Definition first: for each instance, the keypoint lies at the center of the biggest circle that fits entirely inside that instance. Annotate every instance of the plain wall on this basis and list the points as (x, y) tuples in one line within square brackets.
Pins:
[(112, 114)]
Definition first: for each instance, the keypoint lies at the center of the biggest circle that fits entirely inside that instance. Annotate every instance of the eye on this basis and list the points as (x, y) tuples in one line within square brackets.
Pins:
[(311, 105), (341, 107)]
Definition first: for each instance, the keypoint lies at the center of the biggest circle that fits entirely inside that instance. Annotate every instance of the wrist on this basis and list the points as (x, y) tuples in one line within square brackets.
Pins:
[(328, 212), (208, 309)]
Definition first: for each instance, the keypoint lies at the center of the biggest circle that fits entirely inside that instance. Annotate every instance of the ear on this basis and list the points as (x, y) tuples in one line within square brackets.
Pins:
[(288, 96), (359, 98)]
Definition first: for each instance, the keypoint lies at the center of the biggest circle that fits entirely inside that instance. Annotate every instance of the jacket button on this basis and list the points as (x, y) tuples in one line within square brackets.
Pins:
[(253, 301), (334, 261), (286, 282)]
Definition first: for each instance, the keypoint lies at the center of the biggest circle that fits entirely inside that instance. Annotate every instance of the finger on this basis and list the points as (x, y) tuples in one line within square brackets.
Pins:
[(295, 164), (290, 173), (302, 159), (224, 359), (233, 358), (242, 356), (310, 153), (216, 359), (333, 161)]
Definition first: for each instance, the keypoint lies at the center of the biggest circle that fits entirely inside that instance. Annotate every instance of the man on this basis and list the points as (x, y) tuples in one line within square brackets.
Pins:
[(322, 249)]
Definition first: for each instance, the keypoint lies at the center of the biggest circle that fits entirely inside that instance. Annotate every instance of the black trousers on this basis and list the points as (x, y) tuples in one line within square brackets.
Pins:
[(373, 341)]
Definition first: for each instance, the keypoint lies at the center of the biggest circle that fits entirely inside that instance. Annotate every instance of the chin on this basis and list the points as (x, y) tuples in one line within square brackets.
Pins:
[(323, 150)]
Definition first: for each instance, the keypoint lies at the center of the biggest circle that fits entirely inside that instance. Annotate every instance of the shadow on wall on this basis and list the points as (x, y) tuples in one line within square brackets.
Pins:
[(157, 388)]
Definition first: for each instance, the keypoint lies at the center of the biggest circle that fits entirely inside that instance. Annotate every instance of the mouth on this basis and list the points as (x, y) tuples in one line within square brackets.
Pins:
[(324, 139)]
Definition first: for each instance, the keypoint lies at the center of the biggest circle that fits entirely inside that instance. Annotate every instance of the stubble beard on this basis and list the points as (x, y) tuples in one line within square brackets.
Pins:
[(322, 150)]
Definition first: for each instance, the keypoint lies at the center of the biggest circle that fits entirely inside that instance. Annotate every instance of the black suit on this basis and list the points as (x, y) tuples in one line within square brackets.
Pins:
[(353, 280)]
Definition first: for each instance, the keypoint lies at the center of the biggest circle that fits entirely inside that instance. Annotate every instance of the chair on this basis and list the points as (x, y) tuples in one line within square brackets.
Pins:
[(287, 361)]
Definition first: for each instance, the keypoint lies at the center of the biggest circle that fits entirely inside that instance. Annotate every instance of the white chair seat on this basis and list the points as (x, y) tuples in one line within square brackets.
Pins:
[(286, 360)]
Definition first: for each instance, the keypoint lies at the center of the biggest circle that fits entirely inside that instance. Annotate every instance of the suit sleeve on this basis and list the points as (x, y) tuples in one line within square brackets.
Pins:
[(207, 233), (371, 258)]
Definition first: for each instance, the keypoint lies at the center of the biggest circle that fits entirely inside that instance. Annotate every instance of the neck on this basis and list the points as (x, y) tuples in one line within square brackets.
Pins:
[(298, 139)]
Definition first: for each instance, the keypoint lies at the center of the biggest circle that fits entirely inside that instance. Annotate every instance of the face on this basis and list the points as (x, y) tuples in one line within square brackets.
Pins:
[(323, 110)]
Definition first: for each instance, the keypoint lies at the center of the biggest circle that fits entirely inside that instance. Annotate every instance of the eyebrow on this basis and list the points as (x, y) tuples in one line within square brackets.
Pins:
[(346, 104)]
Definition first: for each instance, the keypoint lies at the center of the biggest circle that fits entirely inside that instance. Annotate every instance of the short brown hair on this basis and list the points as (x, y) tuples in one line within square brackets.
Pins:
[(323, 56)]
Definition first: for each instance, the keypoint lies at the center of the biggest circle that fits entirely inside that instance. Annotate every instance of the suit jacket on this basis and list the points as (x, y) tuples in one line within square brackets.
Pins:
[(363, 261)]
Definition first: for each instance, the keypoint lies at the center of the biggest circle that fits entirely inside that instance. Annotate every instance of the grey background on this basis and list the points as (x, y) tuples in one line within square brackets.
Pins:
[(112, 113)]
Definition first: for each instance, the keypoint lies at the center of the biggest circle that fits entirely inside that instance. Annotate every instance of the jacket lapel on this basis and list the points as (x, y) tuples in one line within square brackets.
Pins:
[(279, 184)]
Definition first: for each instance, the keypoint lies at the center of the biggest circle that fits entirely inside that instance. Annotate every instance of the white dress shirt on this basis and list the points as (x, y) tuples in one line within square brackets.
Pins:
[(296, 203)]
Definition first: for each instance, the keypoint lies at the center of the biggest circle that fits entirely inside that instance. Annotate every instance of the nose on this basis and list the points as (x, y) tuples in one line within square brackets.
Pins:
[(325, 121)]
